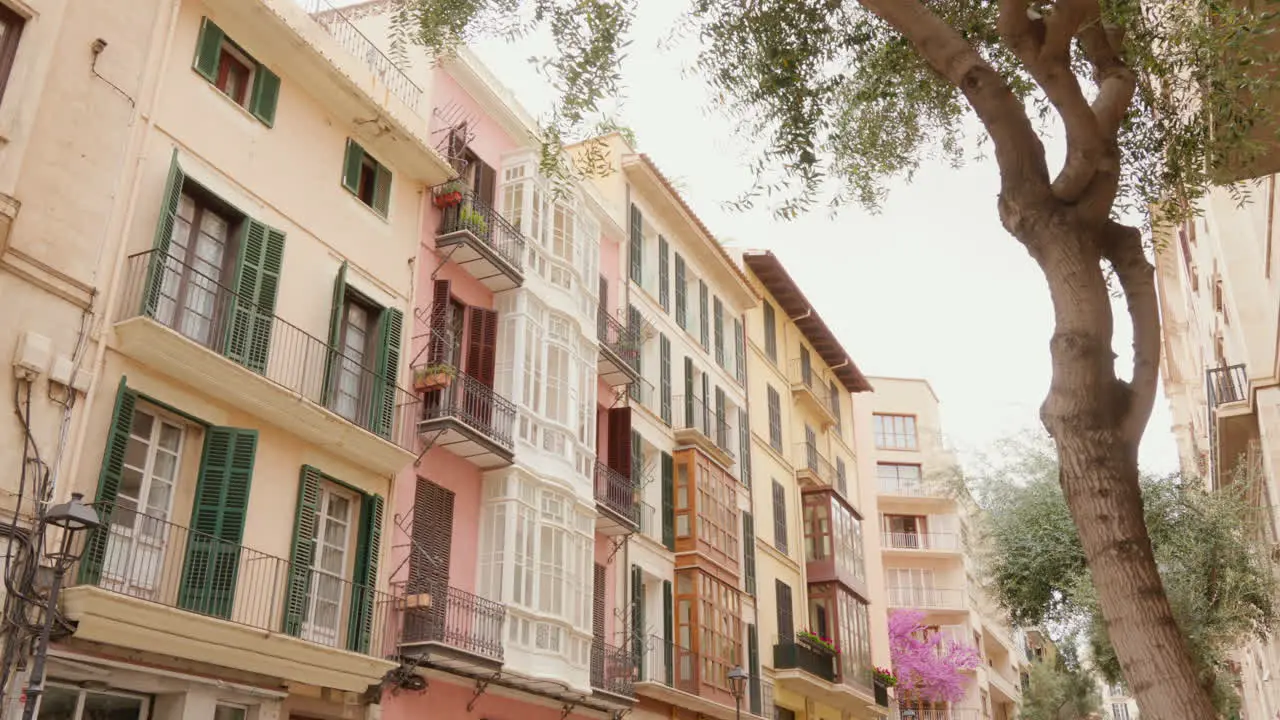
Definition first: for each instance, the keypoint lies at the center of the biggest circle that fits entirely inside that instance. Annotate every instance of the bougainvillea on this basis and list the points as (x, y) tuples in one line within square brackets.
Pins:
[(928, 668)]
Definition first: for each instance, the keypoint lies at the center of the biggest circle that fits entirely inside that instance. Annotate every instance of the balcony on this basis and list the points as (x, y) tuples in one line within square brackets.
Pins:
[(1233, 426), (1002, 687), (921, 598), (1227, 385), (921, 544), (811, 387), (676, 676), (926, 713), (617, 502), (812, 469), (619, 346), (453, 629), (153, 586), (698, 426), (613, 672), (478, 238), (470, 420), (189, 326), (794, 654)]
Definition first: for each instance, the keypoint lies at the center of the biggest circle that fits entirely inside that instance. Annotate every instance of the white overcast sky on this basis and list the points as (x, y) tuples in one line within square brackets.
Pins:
[(931, 287)]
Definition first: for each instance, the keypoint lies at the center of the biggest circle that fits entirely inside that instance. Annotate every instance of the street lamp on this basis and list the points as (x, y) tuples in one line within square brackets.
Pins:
[(737, 685), (72, 516)]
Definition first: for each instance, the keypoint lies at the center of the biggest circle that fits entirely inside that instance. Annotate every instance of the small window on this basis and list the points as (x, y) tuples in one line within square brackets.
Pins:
[(366, 178), (11, 24), (895, 432), (227, 711), (246, 81)]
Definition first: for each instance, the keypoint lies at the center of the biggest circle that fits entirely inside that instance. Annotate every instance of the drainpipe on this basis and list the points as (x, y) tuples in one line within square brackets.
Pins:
[(137, 146)]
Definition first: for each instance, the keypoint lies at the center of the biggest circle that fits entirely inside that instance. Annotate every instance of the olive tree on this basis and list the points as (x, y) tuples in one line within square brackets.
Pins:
[(843, 95)]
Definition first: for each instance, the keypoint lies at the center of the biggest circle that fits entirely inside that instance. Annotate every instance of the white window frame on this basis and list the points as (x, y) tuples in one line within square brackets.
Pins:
[(143, 714)]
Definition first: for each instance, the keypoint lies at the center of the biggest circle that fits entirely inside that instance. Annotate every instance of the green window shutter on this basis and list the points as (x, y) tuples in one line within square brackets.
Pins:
[(303, 551), (739, 353), (208, 50), (109, 478), (637, 615), (266, 95), (664, 382), (753, 666), (637, 246), (718, 323), (351, 166), (668, 631), (682, 302), (382, 190), (364, 594), (217, 521), (668, 502), (664, 274), (635, 329), (253, 307), (744, 447), (749, 552), (688, 392), (164, 233), (704, 326), (335, 331), (387, 369)]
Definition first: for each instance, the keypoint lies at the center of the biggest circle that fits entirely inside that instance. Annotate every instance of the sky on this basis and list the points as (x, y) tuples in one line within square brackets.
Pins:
[(932, 286)]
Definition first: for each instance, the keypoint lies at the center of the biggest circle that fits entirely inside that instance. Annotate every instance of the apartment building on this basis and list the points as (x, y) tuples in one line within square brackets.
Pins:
[(820, 608), (213, 250), (1219, 302), (923, 526)]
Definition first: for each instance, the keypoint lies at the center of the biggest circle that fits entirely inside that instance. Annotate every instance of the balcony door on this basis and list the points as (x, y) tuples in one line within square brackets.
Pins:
[(199, 249), (330, 567), (912, 587), (354, 387), (905, 531), (135, 551)]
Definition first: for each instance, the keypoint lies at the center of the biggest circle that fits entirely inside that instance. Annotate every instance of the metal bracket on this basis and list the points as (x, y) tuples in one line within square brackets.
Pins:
[(566, 709), (418, 460), (620, 714), (615, 544), (481, 686)]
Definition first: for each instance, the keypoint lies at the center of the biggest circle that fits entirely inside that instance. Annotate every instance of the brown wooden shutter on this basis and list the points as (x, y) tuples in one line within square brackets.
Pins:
[(438, 347), (486, 182), (432, 536), (597, 607), (620, 440), (482, 340)]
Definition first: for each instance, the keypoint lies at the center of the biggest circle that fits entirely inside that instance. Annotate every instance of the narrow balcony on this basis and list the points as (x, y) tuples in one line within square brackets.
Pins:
[(811, 387), (619, 347), (613, 672), (678, 676), (921, 544), (191, 327), (938, 713), (928, 599), (470, 420), (698, 426), (1226, 385), (812, 469), (1233, 424), (810, 658), (478, 238), (452, 629), (150, 585), (1003, 689), (616, 501)]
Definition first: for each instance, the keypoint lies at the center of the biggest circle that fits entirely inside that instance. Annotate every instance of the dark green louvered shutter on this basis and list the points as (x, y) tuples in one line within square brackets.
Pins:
[(704, 324), (365, 580), (382, 190), (351, 164), (336, 313), (253, 306), (668, 632), (668, 502), (637, 615), (217, 521), (635, 329), (717, 321), (664, 274), (749, 552), (386, 383), (744, 447), (266, 95), (682, 300), (753, 666), (164, 233), (664, 378), (739, 353), (109, 478), (208, 50), (688, 392), (303, 552), (637, 246)]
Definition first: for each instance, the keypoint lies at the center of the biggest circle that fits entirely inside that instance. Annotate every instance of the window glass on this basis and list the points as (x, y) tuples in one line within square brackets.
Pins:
[(230, 712)]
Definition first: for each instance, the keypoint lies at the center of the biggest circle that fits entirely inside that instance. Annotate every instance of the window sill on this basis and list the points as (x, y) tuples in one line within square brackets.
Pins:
[(229, 101), (367, 208)]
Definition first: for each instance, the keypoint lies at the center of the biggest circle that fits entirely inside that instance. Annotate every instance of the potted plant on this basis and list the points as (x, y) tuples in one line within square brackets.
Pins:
[(432, 377), (882, 679), (817, 642), (449, 194), (471, 219)]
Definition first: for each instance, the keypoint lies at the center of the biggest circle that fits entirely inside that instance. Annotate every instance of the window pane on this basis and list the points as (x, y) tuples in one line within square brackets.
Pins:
[(101, 706)]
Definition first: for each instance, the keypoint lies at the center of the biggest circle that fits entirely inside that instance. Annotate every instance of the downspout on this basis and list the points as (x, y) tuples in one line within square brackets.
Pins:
[(137, 145)]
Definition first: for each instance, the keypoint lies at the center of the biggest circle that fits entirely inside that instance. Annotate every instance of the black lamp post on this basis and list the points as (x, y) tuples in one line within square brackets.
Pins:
[(737, 686), (72, 516)]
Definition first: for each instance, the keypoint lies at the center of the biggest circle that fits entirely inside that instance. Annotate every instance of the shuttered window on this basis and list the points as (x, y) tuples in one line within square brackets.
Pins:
[(770, 333), (668, 629), (775, 420), (234, 72), (739, 353), (744, 447), (753, 668), (704, 321), (637, 615), (369, 400), (664, 378), (717, 315), (636, 246), (835, 405), (842, 484), (366, 178), (620, 444), (432, 537), (786, 622), (664, 273), (259, 264), (779, 517), (682, 300), (482, 344), (668, 502), (109, 479), (597, 604), (749, 552)]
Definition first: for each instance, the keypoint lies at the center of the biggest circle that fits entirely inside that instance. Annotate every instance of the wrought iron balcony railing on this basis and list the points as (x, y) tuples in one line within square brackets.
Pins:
[(623, 341), (693, 414), (148, 558), (795, 654), (477, 217), (1227, 385), (808, 458), (355, 42), (921, 541), (617, 492), (817, 382), (613, 669), (457, 619), (471, 402), (208, 313), (927, 598)]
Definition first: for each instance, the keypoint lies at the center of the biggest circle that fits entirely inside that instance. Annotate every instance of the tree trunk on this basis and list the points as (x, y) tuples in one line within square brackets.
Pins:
[(1085, 412)]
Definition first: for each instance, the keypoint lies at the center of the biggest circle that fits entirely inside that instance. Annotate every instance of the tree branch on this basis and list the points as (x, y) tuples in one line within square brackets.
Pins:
[(1122, 247), (1116, 81), (1018, 150)]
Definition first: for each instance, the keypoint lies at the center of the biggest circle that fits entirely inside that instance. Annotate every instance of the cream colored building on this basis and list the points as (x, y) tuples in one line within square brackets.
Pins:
[(923, 526), (212, 217), (817, 560), (1219, 285)]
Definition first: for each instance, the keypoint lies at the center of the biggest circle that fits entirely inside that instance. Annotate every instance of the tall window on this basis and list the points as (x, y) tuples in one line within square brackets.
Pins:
[(775, 420), (200, 250), (833, 532), (1120, 711), (334, 530), (899, 479), (779, 516), (770, 333), (706, 508), (708, 631), (10, 32), (895, 432), (354, 386)]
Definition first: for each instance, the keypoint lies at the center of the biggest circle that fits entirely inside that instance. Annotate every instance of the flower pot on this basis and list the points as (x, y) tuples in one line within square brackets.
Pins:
[(431, 381), (447, 200), (882, 694)]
